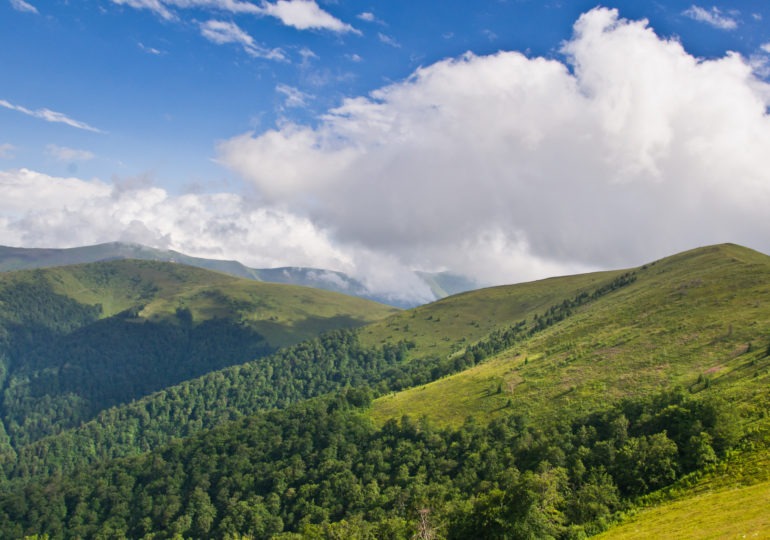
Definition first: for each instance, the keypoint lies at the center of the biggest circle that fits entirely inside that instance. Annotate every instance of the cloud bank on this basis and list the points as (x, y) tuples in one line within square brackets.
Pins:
[(501, 167), (38, 210), (508, 167)]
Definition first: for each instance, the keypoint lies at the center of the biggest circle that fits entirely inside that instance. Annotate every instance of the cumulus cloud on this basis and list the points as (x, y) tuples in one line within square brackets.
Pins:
[(38, 210), (62, 153), (713, 17), (221, 32), (21, 5), (509, 168), (49, 116)]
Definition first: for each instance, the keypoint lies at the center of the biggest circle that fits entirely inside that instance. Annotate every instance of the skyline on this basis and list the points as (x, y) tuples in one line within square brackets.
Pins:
[(509, 143)]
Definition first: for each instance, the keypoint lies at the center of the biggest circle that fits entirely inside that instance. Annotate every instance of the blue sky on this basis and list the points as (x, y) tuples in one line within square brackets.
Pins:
[(182, 96)]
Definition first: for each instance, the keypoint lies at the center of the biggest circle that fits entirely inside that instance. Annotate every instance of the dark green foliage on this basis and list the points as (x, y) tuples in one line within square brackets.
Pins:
[(312, 368), (306, 370), (321, 468), (66, 380)]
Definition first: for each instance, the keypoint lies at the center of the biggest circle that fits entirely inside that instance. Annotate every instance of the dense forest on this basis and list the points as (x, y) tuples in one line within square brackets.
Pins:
[(63, 364), (322, 469), (326, 364)]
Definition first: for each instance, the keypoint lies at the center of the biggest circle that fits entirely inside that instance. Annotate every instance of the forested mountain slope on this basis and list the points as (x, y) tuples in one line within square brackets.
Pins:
[(75, 340), (303, 371), (585, 396)]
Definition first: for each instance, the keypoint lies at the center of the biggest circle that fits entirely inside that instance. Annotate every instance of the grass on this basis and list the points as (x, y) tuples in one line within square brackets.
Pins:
[(704, 313), (448, 325), (736, 512), (283, 314), (729, 499)]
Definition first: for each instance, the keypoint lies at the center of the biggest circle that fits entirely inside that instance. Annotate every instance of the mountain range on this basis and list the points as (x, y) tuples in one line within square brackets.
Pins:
[(441, 284), (630, 403)]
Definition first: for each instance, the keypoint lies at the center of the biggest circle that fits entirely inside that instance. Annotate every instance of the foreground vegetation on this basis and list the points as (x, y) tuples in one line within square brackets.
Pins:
[(321, 463)]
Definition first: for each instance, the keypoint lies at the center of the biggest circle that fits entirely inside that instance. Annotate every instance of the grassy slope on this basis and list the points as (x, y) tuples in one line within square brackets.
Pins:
[(445, 326), (739, 487), (284, 314), (55, 379), (690, 314)]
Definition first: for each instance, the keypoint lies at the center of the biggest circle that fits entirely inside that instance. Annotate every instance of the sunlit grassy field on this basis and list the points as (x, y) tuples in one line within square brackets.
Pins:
[(700, 320)]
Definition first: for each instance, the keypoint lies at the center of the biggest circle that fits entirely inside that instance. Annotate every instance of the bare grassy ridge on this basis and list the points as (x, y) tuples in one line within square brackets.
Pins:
[(284, 314), (698, 319)]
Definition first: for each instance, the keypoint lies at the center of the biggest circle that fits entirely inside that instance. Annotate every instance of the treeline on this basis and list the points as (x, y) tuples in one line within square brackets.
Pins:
[(422, 371), (321, 469)]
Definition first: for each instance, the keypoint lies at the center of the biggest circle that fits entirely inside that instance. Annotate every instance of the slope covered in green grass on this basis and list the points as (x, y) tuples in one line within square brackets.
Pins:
[(701, 318), (728, 499)]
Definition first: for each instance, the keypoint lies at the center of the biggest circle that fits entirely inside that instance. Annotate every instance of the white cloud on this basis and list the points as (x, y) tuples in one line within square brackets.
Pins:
[(388, 40), (714, 17), (49, 116), (37, 210), (305, 14), (509, 168), (21, 5), (221, 32), (366, 16), (300, 14), (294, 96), (150, 50), (153, 5), (354, 58), (62, 153), (162, 7), (6, 150), (765, 47)]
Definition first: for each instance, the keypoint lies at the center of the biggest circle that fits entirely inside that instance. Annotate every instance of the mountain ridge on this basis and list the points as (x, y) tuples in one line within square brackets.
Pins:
[(441, 284)]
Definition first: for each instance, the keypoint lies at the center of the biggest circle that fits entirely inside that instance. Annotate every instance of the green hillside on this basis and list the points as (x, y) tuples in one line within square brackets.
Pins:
[(727, 499), (549, 409), (701, 318), (15, 258), (448, 325), (75, 340)]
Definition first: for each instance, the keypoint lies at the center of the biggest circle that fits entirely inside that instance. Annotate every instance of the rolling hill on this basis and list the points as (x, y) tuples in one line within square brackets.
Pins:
[(545, 409), (441, 284), (78, 339), (700, 317)]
